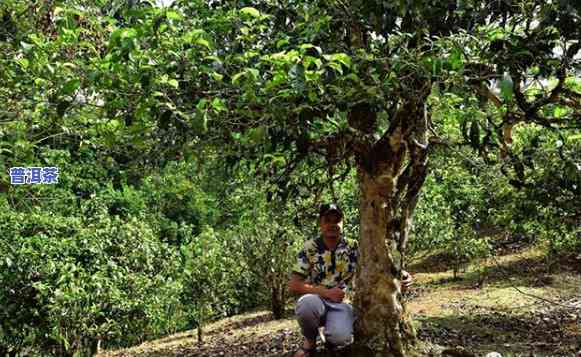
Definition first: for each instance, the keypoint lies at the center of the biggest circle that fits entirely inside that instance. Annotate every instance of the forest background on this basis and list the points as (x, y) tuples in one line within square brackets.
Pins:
[(152, 230)]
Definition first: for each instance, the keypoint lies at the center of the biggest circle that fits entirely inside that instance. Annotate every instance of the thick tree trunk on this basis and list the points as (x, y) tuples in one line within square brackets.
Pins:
[(382, 324)]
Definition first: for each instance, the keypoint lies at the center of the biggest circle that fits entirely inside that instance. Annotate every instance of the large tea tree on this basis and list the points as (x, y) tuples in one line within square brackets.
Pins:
[(303, 89)]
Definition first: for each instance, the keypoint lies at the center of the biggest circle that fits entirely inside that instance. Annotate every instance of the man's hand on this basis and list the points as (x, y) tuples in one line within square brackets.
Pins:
[(295, 285), (334, 294), (406, 280)]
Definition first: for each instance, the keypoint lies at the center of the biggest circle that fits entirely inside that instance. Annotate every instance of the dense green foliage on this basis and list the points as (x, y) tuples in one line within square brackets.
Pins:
[(125, 265), (195, 142), (70, 281)]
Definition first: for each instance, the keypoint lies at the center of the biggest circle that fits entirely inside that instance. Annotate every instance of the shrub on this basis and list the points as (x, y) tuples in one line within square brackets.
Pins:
[(68, 283)]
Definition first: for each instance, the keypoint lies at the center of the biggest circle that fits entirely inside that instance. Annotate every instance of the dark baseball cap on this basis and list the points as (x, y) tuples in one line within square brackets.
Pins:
[(330, 207)]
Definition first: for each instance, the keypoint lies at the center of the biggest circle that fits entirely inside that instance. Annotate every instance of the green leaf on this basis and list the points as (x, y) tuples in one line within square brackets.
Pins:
[(174, 83), (254, 73), (195, 33), (308, 60), (196, 37), (353, 77), (213, 58), (237, 76), (306, 46), (560, 112), (339, 57), (506, 89), (250, 11), (336, 66), (257, 134), (23, 62), (312, 75), (281, 42), (202, 104), (496, 34), (123, 33), (276, 159), (217, 76), (455, 59), (113, 124), (173, 15), (71, 86), (202, 42), (218, 105)]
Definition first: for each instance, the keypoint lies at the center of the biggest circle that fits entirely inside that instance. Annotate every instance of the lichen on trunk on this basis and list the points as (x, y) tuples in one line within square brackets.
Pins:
[(381, 324)]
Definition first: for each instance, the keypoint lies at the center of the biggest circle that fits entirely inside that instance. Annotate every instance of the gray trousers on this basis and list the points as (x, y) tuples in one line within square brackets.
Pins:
[(313, 312)]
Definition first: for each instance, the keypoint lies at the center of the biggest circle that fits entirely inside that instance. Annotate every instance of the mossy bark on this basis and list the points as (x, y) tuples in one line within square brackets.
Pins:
[(382, 324)]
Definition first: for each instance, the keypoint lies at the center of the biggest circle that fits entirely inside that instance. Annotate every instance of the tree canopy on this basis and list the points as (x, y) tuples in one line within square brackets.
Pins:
[(300, 93)]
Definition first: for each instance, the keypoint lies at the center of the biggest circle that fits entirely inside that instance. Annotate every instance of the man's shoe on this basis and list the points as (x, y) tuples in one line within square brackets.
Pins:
[(330, 347), (308, 352), (337, 349)]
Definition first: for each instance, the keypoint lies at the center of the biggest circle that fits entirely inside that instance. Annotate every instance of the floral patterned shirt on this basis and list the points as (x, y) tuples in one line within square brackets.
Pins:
[(329, 268)]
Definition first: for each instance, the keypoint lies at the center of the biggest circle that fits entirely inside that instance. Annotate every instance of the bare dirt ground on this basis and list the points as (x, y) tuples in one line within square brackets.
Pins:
[(515, 304)]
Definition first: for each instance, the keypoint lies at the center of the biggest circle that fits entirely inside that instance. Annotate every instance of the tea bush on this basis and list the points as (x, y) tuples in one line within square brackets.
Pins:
[(68, 282)]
